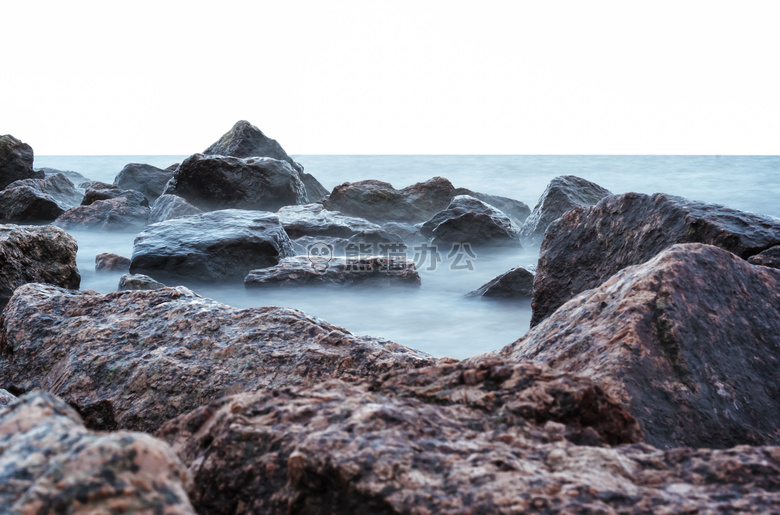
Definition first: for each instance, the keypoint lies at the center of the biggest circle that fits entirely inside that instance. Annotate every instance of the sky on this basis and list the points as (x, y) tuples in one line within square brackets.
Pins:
[(401, 77)]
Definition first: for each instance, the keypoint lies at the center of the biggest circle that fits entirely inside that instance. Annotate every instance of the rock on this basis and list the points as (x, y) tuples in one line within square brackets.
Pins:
[(16, 161), (770, 257), (38, 200), (49, 463), (315, 191), (36, 255), (138, 282), (517, 283), (587, 246), (92, 195), (467, 219), (336, 246), (217, 246), (487, 436), (108, 262), (74, 177), (116, 214), (168, 207), (173, 167), (562, 194), (517, 211), (246, 140), (6, 397), (408, 232), (315, 220), (97, 185), (689, 341), (309, 270), (146, 356), (147, 179), (219, 182)]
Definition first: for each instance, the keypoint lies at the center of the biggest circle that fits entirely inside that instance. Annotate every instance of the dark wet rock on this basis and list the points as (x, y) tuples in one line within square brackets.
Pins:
[(138, 282), (6, 397), (246, 140), (319, 269), (514, 209), (315, 220), (38, 200), (219, 182), (689, 341), (587, 246), (36, 255), (144, 357), (108, 262), (562, 194), (304, 245), (74, 177), (147, 179), (16, 161), (173, 167), (168, 207), (50, 463), (478, 436), (92, 195), (216, 246), (770, 257), (116, 214), (315, 191), (517, 283), (468, 219)]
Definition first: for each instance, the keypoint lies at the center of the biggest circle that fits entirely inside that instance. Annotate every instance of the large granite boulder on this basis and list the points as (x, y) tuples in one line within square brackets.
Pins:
[(115, 214), (517, 283), (246, 140), (689, 341), (109, 262), (92, 195), (36, 255), (769, 257), (168, 207), (562, 194), (16, 161), (218, 182), (217, 246), (315, 220), (144, 357), (587, 246), (147, 179), (38, 200), (311, 270), (468, 219), (50, 463)]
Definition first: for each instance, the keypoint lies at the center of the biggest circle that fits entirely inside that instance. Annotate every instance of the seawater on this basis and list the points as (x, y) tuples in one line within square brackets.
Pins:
[(436, 317)]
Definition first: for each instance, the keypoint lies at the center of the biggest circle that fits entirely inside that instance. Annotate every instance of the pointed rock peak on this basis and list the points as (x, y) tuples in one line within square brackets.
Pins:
[(246, 140)]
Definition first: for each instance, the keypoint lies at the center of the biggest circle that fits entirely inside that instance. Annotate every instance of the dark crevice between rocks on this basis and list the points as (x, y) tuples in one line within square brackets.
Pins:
[(758, 250)]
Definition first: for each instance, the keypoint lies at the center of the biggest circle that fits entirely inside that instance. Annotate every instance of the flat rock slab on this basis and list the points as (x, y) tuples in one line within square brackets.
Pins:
[(517, 283), (689, 341), (115, 214), (587, 246), (144, 357), (217, 246), (50, 463), (310, 270), (38, 200)]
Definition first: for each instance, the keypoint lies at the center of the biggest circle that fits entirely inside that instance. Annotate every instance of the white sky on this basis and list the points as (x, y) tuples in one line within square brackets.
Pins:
[(417, 77)]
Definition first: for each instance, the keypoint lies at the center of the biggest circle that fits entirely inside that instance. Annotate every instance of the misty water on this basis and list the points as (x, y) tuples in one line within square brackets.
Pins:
[(437, 318)]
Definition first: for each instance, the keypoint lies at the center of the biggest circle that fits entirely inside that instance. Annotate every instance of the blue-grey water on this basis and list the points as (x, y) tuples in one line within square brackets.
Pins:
[(436, 318)]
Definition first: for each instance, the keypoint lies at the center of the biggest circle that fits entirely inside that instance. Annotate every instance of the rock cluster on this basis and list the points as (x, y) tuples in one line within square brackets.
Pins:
[(38, 200)]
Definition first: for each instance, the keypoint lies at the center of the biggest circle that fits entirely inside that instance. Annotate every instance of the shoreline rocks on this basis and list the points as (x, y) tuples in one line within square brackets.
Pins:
[(149, 180), (245, 140), (16, 161), (38, 200), (108, 262), (469, 220), (116, 214), (517, 283)]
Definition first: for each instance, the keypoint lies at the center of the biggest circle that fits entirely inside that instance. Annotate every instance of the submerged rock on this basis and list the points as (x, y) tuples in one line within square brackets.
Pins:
[(315, 220), (216, 246), (308, 270), (467, 219), (246, 140), (116, 214), (689, 341), (149, 180), (38, 200), (586, 247), (168, 207), (49, 463), (517, 283), (144, 357), (770, 257), (138, 282), (562, 194), (108, 262), (219, 182), (36, 255), (16, 161)]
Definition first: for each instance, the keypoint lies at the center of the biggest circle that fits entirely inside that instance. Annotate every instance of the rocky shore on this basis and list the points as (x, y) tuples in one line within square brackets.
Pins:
[(649, 381)]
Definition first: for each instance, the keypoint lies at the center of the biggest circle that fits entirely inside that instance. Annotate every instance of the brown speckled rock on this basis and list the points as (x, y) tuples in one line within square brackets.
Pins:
[(138, 282), (108, 262), (689, 341), (6, 397), (481, 436), (49, 463), (36, 255), (146, 356), (587, 246), (770, 257)]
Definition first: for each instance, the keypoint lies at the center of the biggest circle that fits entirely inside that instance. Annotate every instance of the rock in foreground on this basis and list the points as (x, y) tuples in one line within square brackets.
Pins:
[(38, 200), (36, 255), (689, 341), (303, 270), (517, 283), (144, 357), (49, 463), (16, 161), (216, 246), (587, 246)]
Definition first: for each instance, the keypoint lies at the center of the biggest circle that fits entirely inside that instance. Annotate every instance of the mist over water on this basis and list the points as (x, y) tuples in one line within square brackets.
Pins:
[(436, 317)]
